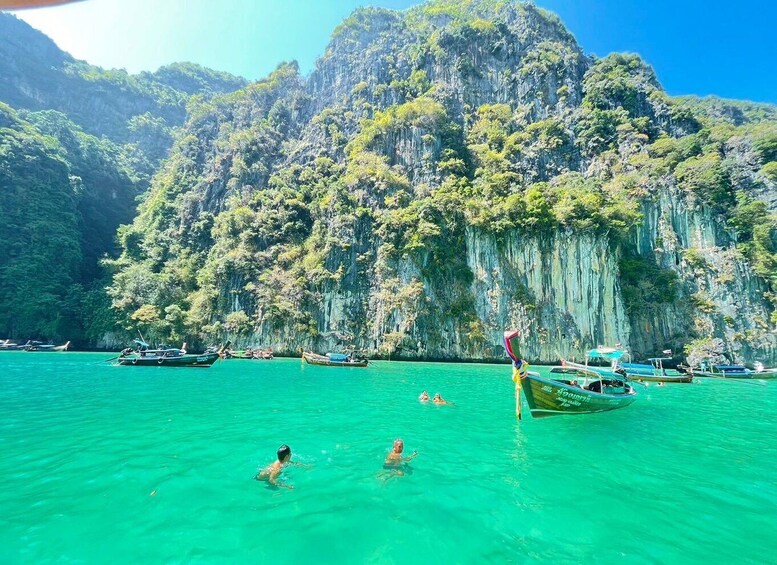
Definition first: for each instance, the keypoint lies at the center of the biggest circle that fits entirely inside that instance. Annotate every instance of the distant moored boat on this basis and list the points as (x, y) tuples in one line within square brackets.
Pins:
[(40, 347), (653, 372), (732, 372), (250, 353), (333, 360), (143, 356)]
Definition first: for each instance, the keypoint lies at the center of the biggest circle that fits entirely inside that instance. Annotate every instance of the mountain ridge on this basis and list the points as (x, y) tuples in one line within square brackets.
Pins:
[(114, 95)]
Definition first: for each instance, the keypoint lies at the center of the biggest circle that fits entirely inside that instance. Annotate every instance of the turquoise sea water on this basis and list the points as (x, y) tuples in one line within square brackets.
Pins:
[(125, 465)]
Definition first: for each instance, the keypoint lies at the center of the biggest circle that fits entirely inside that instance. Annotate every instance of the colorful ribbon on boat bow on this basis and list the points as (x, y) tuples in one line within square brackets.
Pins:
[(520, 370), (513, 351)]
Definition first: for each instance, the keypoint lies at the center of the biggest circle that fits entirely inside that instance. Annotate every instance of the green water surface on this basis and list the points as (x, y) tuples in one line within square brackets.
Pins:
[(105, 464)]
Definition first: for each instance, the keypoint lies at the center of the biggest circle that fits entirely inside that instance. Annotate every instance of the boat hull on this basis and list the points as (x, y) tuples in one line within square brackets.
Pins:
[(240, 357), (254, 356), (322, 360), (734, 372), (653, 373), (547, 397), (204, 360), (47, 348)]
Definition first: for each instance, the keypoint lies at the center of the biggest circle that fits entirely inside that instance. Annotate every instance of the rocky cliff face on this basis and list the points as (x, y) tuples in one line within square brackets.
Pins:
[(562, 291), (449, 172), (719, 292)]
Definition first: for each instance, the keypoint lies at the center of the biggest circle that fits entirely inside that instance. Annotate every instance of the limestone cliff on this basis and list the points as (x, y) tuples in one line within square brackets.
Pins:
[(449, 172)]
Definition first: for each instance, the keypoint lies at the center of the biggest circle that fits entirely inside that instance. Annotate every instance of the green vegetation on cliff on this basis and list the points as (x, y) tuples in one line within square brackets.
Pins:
[(41, 248)]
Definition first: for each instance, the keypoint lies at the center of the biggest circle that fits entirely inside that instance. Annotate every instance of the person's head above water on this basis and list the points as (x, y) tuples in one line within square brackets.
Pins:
[(424, 394), (399, 445), (437, 396), (284, 453)]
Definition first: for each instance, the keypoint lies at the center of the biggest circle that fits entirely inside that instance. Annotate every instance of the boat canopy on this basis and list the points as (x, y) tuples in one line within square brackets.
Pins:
[(636, 366), (141, 343), (732, 368), (606, 353), (638, 369), (337, 357)]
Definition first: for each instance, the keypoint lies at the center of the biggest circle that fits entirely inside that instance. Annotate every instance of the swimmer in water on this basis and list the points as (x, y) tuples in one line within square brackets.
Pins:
[(440, 400), (424, 397), (395, 459), (273, 470)]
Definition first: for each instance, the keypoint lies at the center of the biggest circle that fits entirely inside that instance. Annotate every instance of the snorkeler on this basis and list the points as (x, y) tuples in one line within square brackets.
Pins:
[(273, 470), (440, 400), (424, 397), (395, 458)]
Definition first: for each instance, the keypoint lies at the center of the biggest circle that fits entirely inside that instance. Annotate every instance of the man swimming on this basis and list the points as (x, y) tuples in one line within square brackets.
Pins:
[(439, 399), (424, 397), (273, 470), (395, 458), (394, 465)]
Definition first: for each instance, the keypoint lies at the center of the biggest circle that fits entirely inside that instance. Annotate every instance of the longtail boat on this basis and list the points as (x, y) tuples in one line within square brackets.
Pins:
[(654, 371), (250, 353), (572, 390), (8, 345), (333, 360), (37, 346), (144, 356), (732, 372)]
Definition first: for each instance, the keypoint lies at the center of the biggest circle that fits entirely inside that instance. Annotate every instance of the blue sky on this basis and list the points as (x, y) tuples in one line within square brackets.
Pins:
[(696, 46)]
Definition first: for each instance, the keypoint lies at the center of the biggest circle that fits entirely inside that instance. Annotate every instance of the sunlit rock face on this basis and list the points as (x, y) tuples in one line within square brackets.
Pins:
[(447, 173)]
